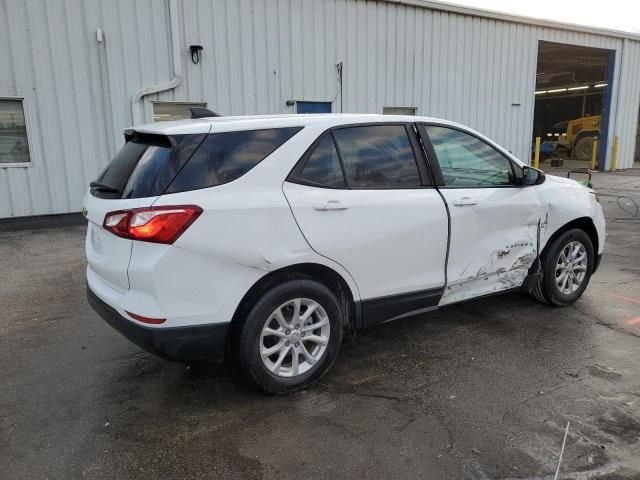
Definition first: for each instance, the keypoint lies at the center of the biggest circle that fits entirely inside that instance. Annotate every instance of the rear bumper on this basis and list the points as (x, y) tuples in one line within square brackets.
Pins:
[(199, 343)]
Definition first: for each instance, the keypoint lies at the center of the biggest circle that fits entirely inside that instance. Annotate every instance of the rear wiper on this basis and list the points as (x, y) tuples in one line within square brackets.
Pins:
[(103, 187)]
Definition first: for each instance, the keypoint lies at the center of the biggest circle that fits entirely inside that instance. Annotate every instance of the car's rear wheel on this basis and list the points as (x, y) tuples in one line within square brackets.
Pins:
[(566, 266), (291, 336)]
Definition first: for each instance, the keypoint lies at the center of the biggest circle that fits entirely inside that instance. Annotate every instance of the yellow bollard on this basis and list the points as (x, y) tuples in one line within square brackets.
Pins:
[(536, 155), (614, 158), (594, 154)]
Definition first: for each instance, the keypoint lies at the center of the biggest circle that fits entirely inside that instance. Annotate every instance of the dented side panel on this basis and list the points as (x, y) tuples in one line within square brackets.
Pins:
[(493, 242), (566, 200)]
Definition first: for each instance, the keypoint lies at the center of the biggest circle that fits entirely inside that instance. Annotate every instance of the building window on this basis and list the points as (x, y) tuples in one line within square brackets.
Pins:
[(399, 110), (14, 142), (166, 111)]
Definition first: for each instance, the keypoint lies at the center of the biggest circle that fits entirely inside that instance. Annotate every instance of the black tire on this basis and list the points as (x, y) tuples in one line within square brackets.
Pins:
[(583, 148), (538, 294), (247, 344), (547, 291)]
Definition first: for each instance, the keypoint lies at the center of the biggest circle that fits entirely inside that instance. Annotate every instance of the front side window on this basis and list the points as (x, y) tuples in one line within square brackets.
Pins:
[(467, 161), (14, 144), (377, 156)]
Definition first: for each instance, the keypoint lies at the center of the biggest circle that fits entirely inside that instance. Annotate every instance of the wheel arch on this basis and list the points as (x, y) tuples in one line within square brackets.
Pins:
[(313, 271), (583, 223)]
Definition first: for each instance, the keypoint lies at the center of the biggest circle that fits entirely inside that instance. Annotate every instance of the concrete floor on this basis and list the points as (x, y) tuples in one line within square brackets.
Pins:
[(479, 390)]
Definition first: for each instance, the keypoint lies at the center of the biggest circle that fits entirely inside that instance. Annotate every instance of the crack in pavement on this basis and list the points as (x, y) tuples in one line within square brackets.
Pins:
[(600, 321)]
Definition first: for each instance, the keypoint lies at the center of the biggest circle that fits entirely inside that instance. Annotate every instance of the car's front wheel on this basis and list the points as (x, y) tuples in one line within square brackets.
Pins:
[(291, 336), (566, 266)]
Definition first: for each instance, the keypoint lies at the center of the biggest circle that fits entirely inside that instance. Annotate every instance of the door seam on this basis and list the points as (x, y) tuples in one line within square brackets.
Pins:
[(311, 246)]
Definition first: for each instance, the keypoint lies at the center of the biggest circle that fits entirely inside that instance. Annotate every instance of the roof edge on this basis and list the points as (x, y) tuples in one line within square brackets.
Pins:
[(508, 17)]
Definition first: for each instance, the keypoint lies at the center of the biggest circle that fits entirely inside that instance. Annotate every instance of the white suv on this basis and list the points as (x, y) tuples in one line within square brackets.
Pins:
[(265, 238)]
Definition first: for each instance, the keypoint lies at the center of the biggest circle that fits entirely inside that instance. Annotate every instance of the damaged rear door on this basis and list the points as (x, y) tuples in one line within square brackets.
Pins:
[(494, 221)]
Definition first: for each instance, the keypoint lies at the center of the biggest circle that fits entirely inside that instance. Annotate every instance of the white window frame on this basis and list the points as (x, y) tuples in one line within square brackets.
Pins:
[(27, 124)]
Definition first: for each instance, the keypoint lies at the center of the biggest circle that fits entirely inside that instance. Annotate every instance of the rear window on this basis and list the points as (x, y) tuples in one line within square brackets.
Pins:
[(145, 166), (224, 157), (135, 167), (150, 165)]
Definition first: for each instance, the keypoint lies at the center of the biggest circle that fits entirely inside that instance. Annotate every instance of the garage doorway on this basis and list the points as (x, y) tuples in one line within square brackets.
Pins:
[(572, 100)]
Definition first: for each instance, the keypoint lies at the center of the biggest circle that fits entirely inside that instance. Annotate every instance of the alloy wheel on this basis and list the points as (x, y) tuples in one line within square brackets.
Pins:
[(294, 337), (571, 267)]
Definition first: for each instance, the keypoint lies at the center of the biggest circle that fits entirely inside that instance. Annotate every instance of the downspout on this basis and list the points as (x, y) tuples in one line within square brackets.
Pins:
[(137, 105)]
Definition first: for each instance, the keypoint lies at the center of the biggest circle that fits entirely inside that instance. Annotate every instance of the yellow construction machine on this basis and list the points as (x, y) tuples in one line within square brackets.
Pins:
[(576, 136)]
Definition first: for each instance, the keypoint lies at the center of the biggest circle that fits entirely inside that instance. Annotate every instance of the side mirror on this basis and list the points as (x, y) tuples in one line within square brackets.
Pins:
[(532, 176)]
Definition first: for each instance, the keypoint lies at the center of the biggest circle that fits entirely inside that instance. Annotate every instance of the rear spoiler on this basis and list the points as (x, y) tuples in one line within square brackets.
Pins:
[(196, 112), (201, 112)]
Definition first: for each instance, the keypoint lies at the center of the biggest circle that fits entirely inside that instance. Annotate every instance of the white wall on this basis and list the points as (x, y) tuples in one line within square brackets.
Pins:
[(49, 55), (258, 54), (627, 101)]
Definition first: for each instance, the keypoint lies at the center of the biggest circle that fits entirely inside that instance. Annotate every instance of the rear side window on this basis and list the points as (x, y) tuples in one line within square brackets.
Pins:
[(224, 157), (377, 156), (322, 167)]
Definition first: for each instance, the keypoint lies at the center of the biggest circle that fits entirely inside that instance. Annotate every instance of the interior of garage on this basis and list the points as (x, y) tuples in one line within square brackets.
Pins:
[(571, 103)]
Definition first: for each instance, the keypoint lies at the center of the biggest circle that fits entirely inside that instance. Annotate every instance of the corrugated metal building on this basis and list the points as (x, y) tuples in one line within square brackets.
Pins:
[(83, 70)]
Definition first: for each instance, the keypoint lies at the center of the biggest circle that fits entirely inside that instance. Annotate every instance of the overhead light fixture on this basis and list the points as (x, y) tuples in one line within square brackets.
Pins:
[(557, 90), (541, 92), (600, 85), (578, 88)]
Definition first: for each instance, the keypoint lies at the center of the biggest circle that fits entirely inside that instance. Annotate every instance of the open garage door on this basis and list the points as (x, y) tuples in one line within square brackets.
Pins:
[(572, 101)]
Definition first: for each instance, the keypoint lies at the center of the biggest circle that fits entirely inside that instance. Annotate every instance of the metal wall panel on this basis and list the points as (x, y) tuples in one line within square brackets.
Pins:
[(50, 56), (257, 55), (627, 101)]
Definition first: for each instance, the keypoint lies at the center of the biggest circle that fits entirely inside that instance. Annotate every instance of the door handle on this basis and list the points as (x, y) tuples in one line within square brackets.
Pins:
[(330, 205), (465, 202)]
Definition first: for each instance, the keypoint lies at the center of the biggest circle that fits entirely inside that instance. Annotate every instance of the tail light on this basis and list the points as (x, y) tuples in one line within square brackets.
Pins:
[(153, 224)]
